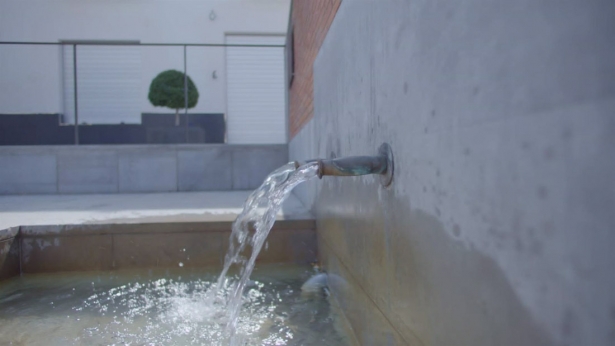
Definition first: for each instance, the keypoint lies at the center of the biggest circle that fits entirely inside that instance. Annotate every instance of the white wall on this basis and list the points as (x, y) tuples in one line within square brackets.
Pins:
[(255, 91), (32, 76)]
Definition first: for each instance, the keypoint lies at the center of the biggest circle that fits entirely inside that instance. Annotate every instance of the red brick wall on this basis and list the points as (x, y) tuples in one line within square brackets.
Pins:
[(311, 20)]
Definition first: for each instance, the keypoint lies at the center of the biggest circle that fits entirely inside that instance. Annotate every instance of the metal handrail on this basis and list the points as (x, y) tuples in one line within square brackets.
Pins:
[(111, 43), (76, 43)]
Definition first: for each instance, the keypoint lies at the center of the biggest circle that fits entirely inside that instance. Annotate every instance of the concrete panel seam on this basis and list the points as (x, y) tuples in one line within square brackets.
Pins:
[(117, 171), (176, 169), (57, 173), (232, 169)]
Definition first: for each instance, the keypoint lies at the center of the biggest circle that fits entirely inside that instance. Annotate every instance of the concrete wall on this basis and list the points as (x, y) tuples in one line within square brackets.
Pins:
[(61, 248), (498, 228), (32, 75), (136, 168)]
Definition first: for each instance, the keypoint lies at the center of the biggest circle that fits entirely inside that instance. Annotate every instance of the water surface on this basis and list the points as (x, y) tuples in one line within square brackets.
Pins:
[(163, 307)]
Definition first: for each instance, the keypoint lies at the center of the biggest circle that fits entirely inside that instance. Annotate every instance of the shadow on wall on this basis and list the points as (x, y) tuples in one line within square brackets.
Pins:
[(415, 281)]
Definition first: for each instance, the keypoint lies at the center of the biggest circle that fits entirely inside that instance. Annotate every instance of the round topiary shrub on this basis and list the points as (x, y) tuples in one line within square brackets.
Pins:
[(167, 90)]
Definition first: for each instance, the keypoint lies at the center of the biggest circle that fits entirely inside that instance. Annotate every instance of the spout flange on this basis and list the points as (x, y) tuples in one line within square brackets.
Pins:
[(386, 178)]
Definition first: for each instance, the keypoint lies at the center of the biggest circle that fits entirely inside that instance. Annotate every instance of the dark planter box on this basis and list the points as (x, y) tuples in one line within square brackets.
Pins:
[(46, 129)]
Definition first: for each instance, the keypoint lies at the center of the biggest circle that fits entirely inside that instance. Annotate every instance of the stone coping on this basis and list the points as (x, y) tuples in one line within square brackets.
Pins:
[(175, 207), (136, 228)]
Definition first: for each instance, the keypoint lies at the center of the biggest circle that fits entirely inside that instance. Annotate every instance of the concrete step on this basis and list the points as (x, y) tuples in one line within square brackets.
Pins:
[(115, 232)]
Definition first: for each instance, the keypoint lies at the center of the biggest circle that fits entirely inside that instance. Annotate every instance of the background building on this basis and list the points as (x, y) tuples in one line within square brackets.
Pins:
[(245, 83)]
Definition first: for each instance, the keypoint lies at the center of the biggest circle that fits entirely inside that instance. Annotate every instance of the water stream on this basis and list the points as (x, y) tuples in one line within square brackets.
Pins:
[(250, 231)]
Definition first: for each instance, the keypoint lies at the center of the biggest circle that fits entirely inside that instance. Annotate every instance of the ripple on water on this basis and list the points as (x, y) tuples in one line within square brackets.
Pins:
[(179, 308)]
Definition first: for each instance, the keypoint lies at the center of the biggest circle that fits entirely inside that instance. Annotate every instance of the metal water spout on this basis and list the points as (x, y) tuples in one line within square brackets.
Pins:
[(381, 164)]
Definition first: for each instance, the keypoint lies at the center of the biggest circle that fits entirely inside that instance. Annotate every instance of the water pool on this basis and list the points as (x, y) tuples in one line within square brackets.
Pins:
[(163, 307)]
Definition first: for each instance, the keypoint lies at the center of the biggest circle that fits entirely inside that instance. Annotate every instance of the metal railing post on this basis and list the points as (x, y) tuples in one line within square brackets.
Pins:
[(185, 46), (185, 95)]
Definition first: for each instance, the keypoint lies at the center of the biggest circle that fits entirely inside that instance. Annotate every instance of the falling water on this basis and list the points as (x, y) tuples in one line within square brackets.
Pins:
[(251, 228)]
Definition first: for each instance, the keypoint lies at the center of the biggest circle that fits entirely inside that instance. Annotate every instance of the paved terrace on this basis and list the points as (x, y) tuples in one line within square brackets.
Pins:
[(132, 208)]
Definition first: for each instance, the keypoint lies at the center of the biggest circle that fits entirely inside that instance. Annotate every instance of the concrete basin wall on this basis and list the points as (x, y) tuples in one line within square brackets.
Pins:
[(499, 228), (61, 248), (136, 168)]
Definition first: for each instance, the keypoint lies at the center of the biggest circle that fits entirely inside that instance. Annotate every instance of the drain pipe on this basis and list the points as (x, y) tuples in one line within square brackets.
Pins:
[(381, 164)]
